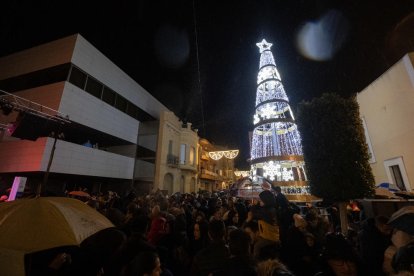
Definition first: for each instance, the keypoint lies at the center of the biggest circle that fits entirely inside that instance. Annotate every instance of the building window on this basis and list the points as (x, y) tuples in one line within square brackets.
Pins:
[(121, 103), (94, 87), (170, 147), (108, 96), (77, 77), (182, 154), (42, 77), (397, 177), (192, 156), (132, 110), (396, 173)]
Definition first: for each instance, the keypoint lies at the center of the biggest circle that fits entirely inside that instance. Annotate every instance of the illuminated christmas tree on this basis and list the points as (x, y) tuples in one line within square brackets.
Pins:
[(276, 149)]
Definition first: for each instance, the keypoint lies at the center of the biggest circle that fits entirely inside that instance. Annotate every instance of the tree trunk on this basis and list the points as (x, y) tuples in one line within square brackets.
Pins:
[(343, 217)]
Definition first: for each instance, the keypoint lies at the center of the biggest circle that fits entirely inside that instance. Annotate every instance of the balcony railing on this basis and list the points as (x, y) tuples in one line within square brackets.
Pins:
[(172, 160)]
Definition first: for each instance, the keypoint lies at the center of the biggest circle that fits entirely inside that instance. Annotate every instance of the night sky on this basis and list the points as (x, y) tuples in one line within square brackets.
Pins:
[(200, 59)]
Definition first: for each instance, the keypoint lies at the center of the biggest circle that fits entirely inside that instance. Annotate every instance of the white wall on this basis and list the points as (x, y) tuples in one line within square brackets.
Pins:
[(88, 110), (387, 108), (80, 160)]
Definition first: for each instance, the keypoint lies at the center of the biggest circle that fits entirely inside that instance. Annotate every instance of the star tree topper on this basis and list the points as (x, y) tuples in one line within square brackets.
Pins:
[(264, 45)]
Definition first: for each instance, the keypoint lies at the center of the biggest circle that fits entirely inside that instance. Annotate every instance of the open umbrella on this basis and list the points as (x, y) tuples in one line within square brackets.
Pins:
[(403, 219), (31, 225)]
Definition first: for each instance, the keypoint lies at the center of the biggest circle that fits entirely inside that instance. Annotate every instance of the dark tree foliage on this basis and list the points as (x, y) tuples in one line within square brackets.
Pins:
[(334, 148)]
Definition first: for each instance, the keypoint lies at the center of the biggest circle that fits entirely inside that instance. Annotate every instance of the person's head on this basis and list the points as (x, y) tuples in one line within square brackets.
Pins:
[(252, 229), (272, 267), (339, 255), (300, 222), (155, 212), (200, 216), (310, 239), (216, 230), (217, 213), (233, 217), (144, 264), (277, 189), (200, 231), (311, 218), (239, 242), (403, 260), (132, 208), (267, 198)]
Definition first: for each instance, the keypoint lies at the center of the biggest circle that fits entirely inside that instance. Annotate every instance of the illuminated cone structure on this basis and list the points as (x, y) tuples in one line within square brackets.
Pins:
[(276, 149)]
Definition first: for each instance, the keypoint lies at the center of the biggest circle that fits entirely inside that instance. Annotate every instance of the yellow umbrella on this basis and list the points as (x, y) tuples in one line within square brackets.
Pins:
[(31, 225)]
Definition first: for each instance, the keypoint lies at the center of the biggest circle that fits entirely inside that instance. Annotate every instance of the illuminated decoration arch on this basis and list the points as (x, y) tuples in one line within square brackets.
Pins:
[(229, 154), (215, 155), (242, 173)]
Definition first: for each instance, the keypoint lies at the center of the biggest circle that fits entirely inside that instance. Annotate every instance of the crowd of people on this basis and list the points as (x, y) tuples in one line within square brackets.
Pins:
[(216, 234)]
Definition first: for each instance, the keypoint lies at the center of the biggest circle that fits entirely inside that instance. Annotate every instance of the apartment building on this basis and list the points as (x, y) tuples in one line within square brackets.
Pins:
[(177, 156), (215, 174)]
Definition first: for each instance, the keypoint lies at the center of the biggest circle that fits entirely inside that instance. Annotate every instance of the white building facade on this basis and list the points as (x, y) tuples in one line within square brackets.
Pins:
[(107, 110), (386, 108)]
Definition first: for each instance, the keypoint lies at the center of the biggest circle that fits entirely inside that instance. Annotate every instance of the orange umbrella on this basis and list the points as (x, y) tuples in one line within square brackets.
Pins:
[(35, 224)]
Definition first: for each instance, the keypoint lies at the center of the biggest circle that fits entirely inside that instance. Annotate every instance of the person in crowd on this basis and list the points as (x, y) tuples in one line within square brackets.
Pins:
[(146, 263), (240, 262), (373, 240), (158, 226), (281, 199), (403, 260), (131, 211), (175, 244), (273, 267), (339, 258), (403, 234), (266, 216), (199, 239), (317, 225), (54, 262), (213, 257), (241, 209), (232, 218), (100, 250), (252, 229), (217, 214), (297, 253)]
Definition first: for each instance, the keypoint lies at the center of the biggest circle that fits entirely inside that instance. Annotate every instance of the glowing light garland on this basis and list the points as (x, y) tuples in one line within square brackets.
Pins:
[(215, 155), (275, 132), (242, 173), (296, 190), (229, 154)]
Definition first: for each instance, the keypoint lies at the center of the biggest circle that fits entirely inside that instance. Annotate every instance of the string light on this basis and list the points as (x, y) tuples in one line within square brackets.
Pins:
[(229, 154), (215, 155), (242, 173)]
